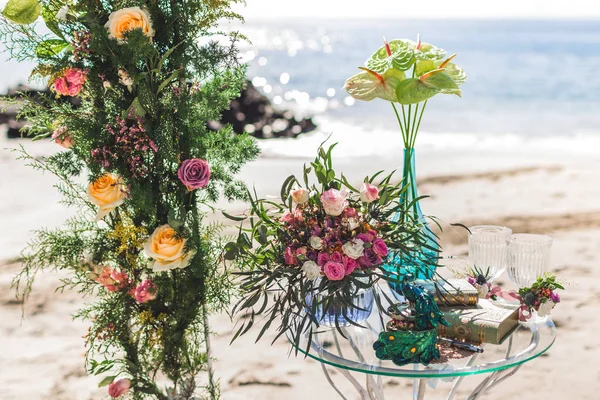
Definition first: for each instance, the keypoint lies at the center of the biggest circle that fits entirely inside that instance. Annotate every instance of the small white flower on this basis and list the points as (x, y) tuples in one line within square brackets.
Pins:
[(352, 224), (61, 15), (311, 270), (545, 308), (125, 79), (300, 195), (315, 242), (354, 248), (482, 290)]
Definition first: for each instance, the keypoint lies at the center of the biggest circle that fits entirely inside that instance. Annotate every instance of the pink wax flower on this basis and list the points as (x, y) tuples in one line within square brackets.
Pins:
[(334, 201), (112, 279), (336, 256), (290, 256), (322, 259), (145, 291), (368, 193), (291, 217), (194, 173), (349, 265), (62, 138), (71, 82), (380, 247), (119, 388), (334, 271)]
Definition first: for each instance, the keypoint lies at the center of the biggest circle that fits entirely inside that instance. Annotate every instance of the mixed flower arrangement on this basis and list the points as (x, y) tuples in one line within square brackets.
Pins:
[(320, 245), (147, 83), (541, 297)]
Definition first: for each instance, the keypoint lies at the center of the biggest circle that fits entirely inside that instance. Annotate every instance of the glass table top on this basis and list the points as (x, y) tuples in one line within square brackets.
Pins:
[(355, 351)]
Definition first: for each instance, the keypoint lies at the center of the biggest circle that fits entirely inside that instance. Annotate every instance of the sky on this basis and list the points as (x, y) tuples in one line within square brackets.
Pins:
[(536, 9)]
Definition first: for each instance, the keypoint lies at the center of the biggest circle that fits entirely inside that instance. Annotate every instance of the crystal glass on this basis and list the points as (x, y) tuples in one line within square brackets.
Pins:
[(329, 310), (487, 249), (527, 257)]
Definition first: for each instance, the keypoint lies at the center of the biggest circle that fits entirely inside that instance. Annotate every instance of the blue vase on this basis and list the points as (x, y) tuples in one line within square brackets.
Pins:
[(421, 262)]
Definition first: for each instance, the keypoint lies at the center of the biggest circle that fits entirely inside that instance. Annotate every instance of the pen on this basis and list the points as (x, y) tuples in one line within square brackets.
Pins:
[(462, 345)]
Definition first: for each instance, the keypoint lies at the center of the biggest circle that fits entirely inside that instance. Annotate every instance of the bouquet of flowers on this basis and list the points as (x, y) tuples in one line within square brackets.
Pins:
[(134, 85), (541, 297), (312, 253)]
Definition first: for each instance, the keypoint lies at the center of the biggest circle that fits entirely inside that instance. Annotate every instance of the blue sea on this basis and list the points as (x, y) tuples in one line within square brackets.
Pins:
[(526, 79)]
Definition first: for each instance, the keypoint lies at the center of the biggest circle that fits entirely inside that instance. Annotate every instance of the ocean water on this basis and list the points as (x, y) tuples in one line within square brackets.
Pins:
[(530, 83)]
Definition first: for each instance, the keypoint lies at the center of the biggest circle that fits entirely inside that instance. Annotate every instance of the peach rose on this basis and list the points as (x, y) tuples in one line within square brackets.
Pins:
[(107, 192), (167, 249), (128, 19)]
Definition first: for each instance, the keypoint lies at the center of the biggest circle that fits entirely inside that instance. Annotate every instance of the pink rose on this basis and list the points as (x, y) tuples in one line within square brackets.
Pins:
[(334, 271), (334, 201), (290, 256), (194, 173), (368, 193), (62, 138), (145, 291), (71, 83), (301, 251), (349, 265), (336, 256), (380, 247), (322, 259), (292, 217), (365, 237), (300, 195), (369, 259), (350, 212), (118, 388)]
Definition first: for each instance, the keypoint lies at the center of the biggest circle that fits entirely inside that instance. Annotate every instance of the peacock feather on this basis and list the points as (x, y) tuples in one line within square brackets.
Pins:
[(404, 347)]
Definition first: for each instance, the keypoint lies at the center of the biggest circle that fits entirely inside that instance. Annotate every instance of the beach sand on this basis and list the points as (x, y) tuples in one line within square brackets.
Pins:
[(41, 356)]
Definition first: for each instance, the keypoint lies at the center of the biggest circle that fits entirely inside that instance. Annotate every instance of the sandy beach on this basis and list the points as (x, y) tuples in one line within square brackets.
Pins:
[(41, 356)]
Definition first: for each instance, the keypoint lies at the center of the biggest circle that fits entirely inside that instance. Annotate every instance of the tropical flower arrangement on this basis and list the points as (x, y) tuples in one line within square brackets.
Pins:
[(321, 245), (142, 169), (407, 74), (540, 297)]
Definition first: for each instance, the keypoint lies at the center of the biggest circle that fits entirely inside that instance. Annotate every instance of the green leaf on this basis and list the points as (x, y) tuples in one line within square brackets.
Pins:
[(175, 219), (244, 241), (232, 217), (106, 381), (402, 56), (412, 91), (49, 15), (171, 78), (137, 108), (262, 235), (424, 66), (50, 48), (368, 85), (443, 83), (165, 56), (23, 12), (231, 251)]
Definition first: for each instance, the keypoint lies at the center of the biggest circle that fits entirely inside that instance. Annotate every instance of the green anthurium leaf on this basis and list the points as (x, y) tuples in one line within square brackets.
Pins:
[(398, 54), (456, 73), (412, 90), (50, 48), (427, 51), (49, 15), (424, 66), (23, 12), (443, 83), (368, 85)]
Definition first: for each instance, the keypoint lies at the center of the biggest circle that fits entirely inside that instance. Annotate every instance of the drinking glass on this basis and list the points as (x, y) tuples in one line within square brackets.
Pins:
[(487, 249), (527, 257)]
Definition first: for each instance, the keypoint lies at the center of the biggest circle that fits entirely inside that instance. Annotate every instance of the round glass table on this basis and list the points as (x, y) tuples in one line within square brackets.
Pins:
[(351, 350)]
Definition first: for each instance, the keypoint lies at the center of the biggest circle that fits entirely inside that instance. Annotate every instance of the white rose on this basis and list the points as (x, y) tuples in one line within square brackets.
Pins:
[(352, 224), (334, 201), (545, 308), (311, 270), (61, 15), (354, 248), (300, 195), (315, 242)]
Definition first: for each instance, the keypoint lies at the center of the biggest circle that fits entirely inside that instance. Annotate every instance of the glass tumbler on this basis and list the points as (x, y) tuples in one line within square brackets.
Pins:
[(487, 250), (527, 257)]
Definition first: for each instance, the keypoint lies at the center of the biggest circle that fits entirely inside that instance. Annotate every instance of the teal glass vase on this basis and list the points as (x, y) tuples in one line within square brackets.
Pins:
[(421, 262)]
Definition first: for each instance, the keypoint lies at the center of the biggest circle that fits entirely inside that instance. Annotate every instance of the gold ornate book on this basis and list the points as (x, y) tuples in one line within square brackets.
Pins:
[(452, 292), (484, 323)]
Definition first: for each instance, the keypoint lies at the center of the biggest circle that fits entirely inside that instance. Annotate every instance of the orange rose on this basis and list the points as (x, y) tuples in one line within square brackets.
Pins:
[(107, 192), (167, 249), (128, 19)]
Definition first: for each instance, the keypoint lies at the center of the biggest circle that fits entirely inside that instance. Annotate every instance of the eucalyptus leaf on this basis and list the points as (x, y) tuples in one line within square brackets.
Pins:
[(23, 12), (106, 381), (398, 54)]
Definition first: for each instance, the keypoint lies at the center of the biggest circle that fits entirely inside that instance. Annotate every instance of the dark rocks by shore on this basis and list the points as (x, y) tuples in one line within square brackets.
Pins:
[(252, 112)]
